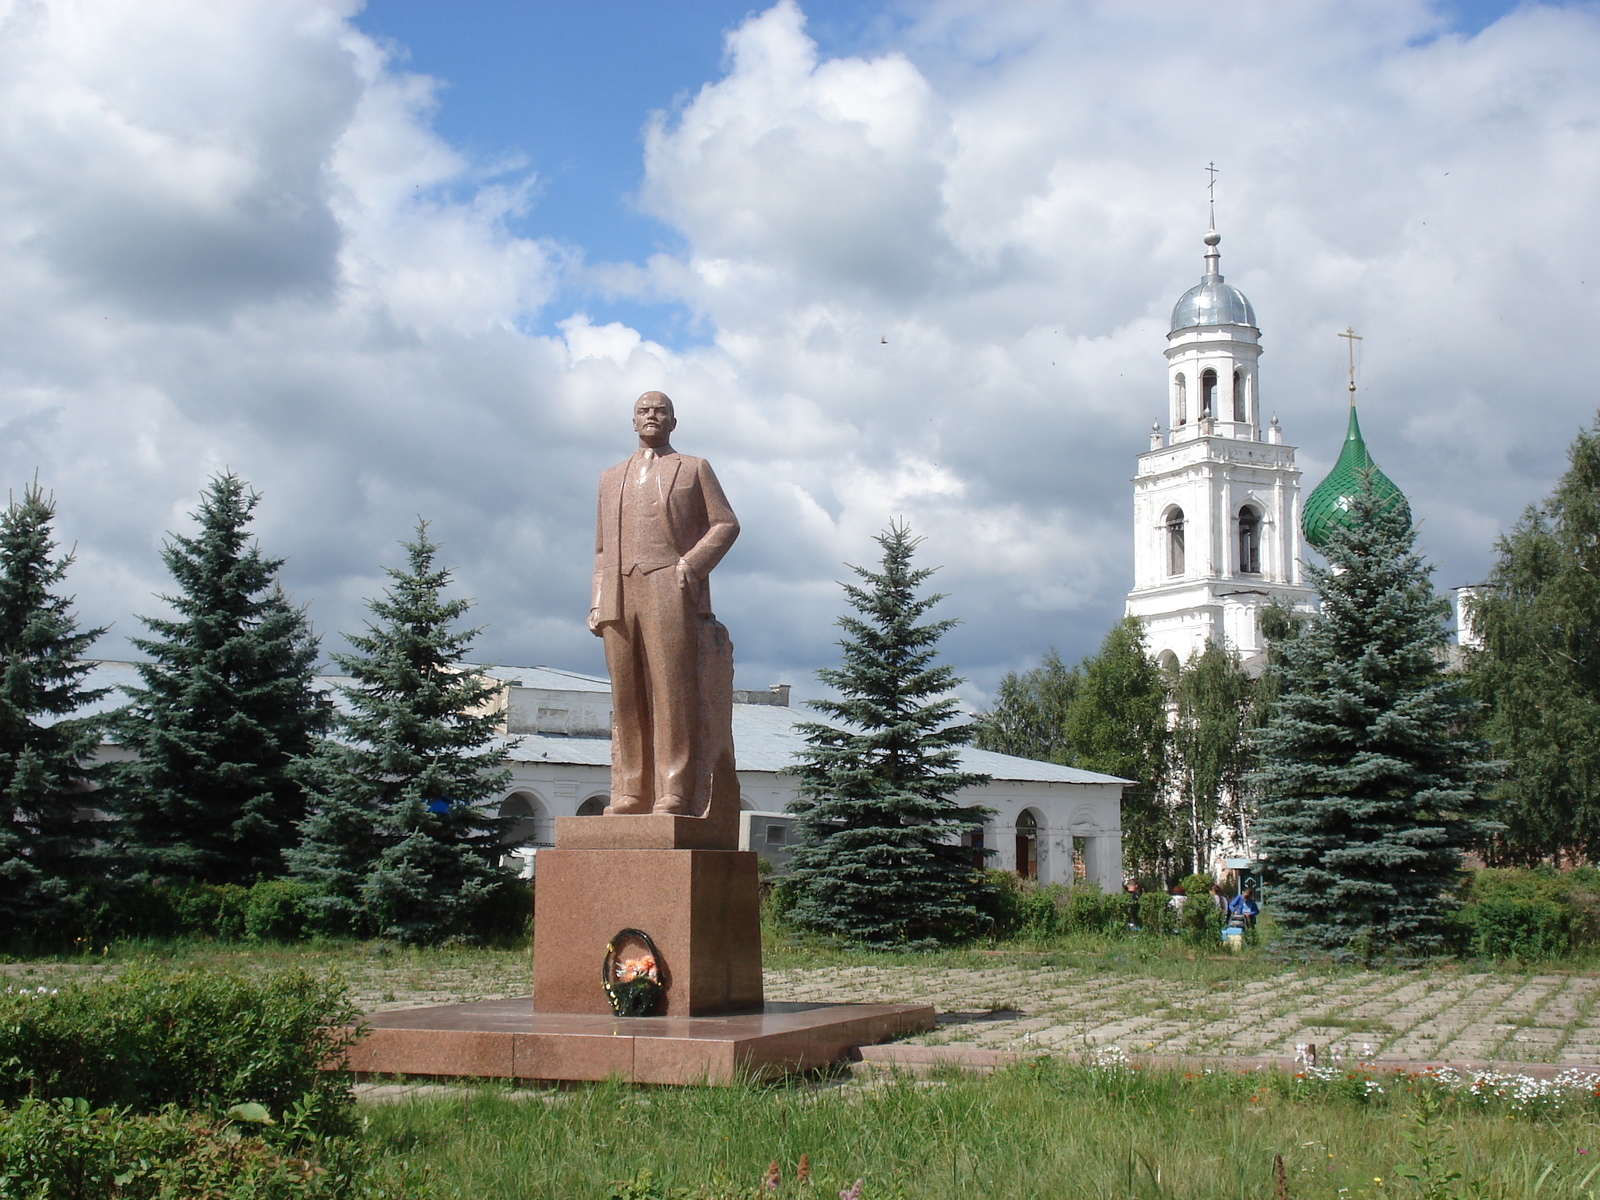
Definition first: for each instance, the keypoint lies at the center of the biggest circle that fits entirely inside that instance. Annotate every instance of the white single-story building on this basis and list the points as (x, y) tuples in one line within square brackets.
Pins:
[(1051, 823)]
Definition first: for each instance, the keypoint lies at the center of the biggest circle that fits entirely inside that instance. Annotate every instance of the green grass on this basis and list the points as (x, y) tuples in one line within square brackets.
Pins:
[(1039, 1130)]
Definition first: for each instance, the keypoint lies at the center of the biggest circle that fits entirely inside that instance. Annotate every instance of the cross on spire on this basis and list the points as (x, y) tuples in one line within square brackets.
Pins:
[(1351, 337)]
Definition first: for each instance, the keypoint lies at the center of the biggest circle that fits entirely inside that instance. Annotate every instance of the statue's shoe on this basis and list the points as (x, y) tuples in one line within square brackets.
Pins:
[(627, 806), (670, 804)]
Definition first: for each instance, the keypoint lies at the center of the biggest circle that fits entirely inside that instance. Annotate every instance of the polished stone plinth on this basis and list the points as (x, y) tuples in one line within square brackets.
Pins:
[(700, 907), (507, 1039)]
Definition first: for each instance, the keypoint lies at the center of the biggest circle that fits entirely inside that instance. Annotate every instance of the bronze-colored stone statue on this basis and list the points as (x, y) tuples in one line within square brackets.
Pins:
[(663, 525)]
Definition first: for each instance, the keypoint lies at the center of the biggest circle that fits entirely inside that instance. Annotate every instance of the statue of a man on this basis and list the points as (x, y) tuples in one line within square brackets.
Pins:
[(663, 525)]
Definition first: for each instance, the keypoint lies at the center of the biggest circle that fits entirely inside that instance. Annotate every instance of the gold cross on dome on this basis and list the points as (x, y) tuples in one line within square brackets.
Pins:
[(1351, 337)]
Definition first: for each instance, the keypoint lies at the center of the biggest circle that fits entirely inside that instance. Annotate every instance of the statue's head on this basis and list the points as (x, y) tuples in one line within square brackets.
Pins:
[(653, 418)]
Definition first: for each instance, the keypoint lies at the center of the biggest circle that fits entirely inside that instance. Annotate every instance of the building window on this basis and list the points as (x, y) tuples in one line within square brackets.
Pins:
[(1027, 846), (1249, 541), (1181, 387), (1208, 393), (1174, 528), (1238, 396), (974, 843)]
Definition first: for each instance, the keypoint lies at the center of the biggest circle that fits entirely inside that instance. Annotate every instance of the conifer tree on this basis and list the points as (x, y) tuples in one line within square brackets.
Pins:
[(1538, 672), (227, 710), (1029, 716), (880, 859), (1117, 724), (396, 838), (1369, 789), (45, 746)]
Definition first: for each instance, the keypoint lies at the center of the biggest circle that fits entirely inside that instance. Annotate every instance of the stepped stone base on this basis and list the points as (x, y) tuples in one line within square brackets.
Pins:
[(506, 1039)]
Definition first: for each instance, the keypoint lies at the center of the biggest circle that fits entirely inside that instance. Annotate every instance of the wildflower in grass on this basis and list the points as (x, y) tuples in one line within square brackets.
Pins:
[(853, 1192), (802, 1173), (773, 1176)]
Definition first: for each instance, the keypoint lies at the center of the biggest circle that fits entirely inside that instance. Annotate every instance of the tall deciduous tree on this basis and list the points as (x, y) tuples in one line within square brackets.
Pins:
[(1369, 789), (1211, 748), (880, 859), (45, 746), (1538, 671), (396, 838), (227, 709), (1117, 724), (1029, 716)]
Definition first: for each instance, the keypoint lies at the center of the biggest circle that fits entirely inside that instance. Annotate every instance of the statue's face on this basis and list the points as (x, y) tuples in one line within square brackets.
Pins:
[(653, 419)]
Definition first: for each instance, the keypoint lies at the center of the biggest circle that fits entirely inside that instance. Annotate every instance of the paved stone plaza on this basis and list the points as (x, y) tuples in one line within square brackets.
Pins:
[(1401, 1015), (1425, 1015)]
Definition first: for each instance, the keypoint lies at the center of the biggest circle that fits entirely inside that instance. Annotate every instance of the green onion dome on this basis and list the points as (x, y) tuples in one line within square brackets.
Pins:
[(1329, 504)]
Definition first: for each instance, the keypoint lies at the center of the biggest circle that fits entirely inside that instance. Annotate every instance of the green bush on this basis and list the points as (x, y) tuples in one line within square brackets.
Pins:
[(1523, 929), (1537, 914), (507, 915), (1086, 909), (1156, 914), (278, 910), (69, 1150), (199, 1039), (1201, 921), (208, 910)]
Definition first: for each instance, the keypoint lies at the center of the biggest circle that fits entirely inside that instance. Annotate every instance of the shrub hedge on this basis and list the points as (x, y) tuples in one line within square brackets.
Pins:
[(271, 910), (198, 1039), (70, 1150), (1537, 914)]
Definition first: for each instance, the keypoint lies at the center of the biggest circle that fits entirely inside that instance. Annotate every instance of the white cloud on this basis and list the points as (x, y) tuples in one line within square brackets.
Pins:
[(935, 280)]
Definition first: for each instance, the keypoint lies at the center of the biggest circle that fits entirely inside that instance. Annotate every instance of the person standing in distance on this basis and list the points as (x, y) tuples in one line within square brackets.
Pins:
[(663, 524)]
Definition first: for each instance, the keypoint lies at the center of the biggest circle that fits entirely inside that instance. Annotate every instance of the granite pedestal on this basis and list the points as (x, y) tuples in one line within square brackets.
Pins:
[(700, 907), (507, 1039)]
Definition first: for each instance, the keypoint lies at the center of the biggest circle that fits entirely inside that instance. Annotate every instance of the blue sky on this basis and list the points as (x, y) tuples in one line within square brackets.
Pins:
[(906, 260), (562, 90)]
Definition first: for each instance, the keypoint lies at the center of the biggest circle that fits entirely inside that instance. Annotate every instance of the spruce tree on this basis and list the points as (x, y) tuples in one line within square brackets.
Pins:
[(1117, 724), (1538, 671), (1369, 788), (45, 748), (396, 838), (1029, 716), (879, 859), (227, 711)]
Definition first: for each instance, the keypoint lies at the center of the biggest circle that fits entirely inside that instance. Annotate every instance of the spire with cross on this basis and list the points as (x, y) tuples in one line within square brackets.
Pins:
[(1351, 337)]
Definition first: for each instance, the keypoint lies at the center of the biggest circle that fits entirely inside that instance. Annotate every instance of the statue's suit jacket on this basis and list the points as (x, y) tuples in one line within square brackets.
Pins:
[(702, 528)]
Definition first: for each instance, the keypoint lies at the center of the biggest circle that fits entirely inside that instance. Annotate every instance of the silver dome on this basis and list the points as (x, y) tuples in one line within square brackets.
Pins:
[(1212, 302)]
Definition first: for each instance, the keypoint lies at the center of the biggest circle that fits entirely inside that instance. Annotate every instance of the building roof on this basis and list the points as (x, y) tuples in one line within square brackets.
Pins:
[(765, 736), (1211, 301), (1329, 503)]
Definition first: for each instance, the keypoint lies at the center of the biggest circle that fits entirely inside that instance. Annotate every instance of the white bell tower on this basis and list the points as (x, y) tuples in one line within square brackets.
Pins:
[(1216, 506)]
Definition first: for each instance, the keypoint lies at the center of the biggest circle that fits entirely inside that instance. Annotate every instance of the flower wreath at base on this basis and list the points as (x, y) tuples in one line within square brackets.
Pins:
[(632, 981)]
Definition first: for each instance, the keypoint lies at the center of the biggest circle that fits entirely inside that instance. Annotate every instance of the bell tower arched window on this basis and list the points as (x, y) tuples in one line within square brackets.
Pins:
[(1180, 391), (1249, 541), (1208, 393), (1173, 527), (1238, 397)]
